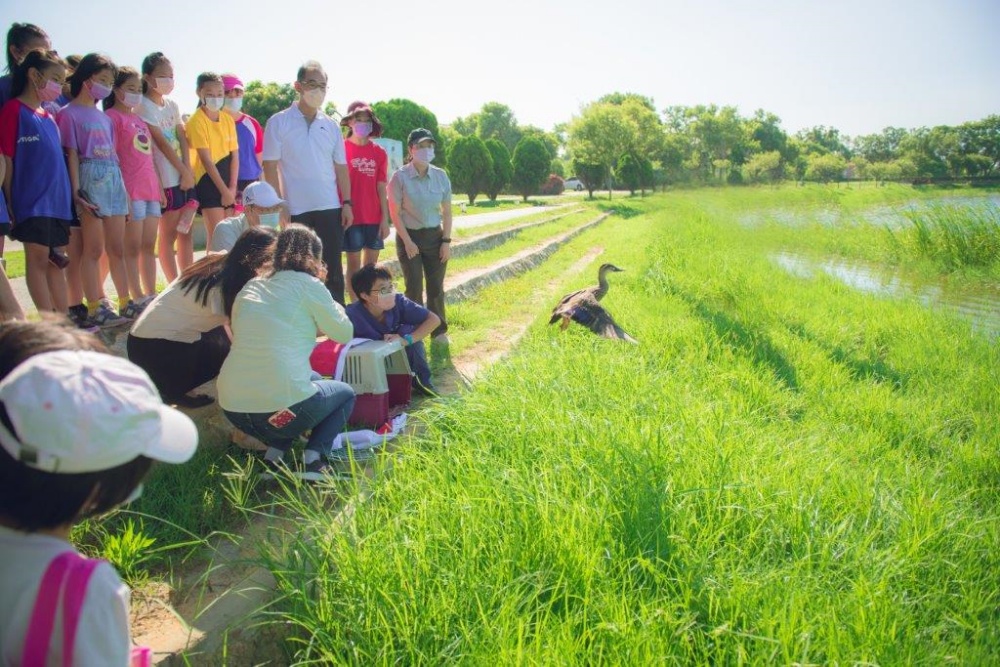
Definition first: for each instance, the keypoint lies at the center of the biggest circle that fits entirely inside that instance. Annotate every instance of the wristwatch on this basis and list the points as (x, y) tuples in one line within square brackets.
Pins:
[(408, 338), (347, 202)]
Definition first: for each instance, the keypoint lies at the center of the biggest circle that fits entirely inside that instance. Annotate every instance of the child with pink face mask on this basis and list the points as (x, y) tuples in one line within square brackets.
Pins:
[(98, 188), (35, 181), (134, 147), (171, 156)]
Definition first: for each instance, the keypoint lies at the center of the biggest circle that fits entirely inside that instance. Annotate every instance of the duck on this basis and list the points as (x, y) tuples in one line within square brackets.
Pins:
[(582, 307)]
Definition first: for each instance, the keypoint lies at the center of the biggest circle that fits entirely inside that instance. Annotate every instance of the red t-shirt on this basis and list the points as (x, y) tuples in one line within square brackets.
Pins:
[(367, 165)]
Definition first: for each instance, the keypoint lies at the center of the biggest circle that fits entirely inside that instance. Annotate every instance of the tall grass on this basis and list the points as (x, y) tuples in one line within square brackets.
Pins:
[(784, 471), (953, 236)]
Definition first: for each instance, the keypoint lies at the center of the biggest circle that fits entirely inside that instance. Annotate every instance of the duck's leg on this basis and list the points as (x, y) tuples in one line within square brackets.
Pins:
[(565, 323)]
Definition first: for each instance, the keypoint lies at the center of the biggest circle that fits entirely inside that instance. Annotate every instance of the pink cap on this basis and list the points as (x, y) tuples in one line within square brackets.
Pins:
[(231, 81)]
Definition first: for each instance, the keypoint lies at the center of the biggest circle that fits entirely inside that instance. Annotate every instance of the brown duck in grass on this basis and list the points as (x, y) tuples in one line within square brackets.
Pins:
[(582, 306)]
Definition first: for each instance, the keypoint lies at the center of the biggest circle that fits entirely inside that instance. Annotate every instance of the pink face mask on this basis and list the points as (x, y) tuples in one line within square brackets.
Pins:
[(362, 129), (50, 92), (98, 90)]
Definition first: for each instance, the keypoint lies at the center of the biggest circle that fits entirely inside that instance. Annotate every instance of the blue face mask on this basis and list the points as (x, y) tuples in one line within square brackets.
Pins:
[(270, 219)]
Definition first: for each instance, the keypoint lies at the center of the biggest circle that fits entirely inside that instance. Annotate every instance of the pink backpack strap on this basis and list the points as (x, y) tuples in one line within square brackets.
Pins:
[(73, 596), (43, 616), (71, 570)]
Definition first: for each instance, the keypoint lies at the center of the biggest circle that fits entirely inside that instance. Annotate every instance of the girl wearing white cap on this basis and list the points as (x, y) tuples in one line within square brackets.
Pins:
[(79, 430)]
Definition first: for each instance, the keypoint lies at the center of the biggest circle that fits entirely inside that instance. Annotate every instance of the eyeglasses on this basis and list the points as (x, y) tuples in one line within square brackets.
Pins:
[(387, 291), (313, 85)]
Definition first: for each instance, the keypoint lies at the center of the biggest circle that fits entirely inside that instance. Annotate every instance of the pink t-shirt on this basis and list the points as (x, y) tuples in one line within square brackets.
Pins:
[(367, 166), (134, 146), (87, 131)]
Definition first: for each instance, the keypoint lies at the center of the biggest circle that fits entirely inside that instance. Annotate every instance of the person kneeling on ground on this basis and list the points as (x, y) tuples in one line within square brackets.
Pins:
[(180, 339), (267, 388), (262, 207), (79, 430), (381, 313)]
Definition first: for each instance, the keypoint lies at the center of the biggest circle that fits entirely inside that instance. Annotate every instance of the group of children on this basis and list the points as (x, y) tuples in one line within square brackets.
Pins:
[(101, 175)]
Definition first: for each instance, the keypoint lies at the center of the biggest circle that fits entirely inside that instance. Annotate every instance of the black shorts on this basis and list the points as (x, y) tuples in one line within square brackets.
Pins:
[(4, 229), (176, 198), (49, 232), (209, 195)]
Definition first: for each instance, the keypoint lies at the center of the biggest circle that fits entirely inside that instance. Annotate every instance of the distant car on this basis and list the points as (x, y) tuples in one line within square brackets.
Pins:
[(573, 183)]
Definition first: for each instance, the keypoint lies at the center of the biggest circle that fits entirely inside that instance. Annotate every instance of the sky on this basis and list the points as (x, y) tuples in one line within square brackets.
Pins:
[(857, 65)]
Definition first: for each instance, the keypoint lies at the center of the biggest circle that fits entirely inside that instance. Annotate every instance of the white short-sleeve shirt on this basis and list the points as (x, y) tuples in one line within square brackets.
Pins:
[(176, 315), (166, 118), (102, 637), (305, 153)]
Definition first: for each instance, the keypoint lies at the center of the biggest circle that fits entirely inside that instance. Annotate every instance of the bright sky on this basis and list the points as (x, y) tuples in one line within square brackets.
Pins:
[(857, 65)]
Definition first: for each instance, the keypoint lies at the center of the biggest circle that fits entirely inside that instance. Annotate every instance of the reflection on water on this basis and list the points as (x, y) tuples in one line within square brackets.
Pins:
[(979, 304), (889, 215)]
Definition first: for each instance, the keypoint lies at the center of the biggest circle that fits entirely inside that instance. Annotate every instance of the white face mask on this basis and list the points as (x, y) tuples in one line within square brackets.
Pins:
[(387, 301), (314, 98), (214, 103), (132, 99), (424, 154), (234, 104), (270, 219), (164, 85)]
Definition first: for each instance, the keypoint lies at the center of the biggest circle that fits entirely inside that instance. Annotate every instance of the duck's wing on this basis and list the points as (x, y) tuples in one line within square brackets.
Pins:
[(593, 316), (566, 305)]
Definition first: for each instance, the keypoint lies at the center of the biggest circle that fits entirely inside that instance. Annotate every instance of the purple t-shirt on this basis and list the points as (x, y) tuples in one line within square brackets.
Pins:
[(88, 131), (404, 317)]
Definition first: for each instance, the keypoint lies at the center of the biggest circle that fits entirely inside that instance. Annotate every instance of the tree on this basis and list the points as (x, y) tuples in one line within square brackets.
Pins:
[(263, 100), (400, 116), (550, 140), (592, 175), (470, 166), (531, 166), (629, 172), (558, 168), (497, 121), (763, 167), (825, 168), (330, 109), (466, 126), (598, 137), (503, 170)]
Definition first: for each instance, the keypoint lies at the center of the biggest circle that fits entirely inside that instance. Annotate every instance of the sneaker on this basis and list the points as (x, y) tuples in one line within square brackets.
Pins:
[(78, 315), (441, 339), (130, 311), (105, 317), (320, 470), (345, 454)]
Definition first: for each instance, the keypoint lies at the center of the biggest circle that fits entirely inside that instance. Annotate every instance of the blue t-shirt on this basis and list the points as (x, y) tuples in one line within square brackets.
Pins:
[(402, 319), (246, 139), (4, 216), (39, 181)]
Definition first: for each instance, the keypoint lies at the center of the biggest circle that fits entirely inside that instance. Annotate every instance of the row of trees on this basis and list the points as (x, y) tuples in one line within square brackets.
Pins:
[(621, 139)]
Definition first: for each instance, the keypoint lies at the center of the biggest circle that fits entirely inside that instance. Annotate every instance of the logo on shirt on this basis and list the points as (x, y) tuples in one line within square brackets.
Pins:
[(27, 139), (364, 166), (141, 142)]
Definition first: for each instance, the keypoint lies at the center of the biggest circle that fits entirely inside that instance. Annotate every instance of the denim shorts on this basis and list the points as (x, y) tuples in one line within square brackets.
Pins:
[(101, 181), (145, 209), (357, 237)]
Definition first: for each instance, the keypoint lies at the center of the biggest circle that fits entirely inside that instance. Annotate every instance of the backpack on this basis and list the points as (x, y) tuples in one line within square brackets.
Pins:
[(65, 580)]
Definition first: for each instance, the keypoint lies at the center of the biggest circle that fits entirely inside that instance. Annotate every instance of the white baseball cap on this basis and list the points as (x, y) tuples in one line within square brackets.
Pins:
[(75, 411), (261, 195)]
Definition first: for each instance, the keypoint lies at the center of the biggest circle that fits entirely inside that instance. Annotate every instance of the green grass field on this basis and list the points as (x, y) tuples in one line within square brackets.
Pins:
[(783, 471)]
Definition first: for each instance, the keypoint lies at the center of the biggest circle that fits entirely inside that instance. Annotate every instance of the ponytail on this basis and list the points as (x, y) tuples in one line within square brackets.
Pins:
[(36, 59)]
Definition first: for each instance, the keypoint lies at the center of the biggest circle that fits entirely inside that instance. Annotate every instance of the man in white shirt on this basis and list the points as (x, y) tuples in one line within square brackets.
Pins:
[(305, 161)]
